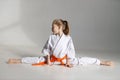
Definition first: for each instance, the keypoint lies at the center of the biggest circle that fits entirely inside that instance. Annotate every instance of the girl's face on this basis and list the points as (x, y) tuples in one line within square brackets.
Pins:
[(56, 29)]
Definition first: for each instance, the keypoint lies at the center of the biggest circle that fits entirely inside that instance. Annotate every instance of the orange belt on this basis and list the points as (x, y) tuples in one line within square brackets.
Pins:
[(53, 59)]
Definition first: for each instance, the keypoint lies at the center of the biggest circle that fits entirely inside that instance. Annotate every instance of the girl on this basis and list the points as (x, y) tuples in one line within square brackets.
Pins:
[(59, 49)]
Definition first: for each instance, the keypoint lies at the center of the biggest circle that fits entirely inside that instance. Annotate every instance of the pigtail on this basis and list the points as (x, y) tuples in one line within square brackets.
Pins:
[(66, 27)]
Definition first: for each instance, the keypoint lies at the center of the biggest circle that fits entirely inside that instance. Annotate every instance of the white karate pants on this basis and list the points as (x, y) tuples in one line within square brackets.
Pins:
[(75, 61)]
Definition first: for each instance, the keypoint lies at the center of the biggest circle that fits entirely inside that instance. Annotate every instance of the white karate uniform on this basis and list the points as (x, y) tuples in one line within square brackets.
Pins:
[(59, 47)]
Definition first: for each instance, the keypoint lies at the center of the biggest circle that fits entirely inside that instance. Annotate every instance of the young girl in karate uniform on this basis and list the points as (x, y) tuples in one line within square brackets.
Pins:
[(59, 49)]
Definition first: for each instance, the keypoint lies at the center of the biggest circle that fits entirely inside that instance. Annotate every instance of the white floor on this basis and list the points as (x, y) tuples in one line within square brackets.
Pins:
[(55, 72)]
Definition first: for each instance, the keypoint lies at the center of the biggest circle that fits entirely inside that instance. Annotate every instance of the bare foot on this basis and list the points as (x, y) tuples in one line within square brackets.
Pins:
[(106, 63), (14, 61)]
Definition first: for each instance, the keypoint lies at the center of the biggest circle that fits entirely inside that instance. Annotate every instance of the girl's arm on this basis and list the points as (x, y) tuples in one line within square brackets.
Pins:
[(48, 60), (68, 63), (70, 53), (46, 51)]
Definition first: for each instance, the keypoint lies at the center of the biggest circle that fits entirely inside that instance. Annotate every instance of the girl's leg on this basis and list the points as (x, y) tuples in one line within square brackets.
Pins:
[(89, 60), (14, 61), (106, 63), (27, 60)]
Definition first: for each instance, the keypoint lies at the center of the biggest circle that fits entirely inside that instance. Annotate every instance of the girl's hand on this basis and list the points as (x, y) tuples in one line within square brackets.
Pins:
[(69, 65), (48, 60), (49, 63)]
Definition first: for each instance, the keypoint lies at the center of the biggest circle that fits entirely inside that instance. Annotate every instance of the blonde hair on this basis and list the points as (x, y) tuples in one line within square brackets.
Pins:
[(64, 23)]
